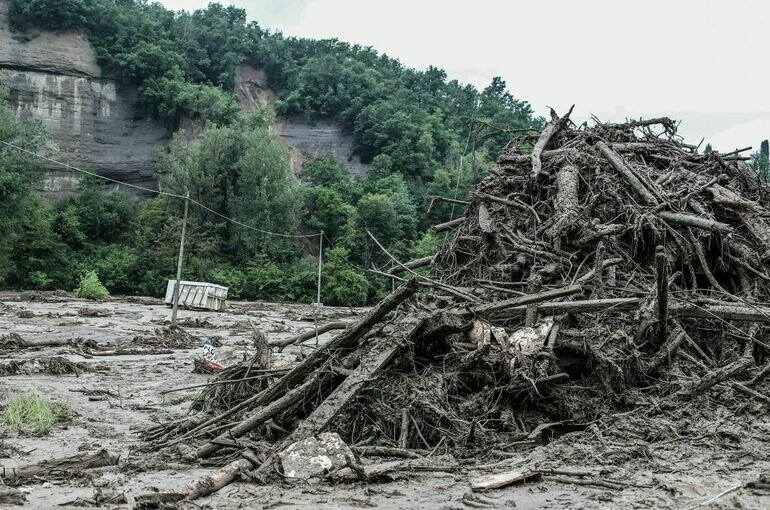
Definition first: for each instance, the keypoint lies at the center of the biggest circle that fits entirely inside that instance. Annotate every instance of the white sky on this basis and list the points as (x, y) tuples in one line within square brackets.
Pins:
[(705, 62)]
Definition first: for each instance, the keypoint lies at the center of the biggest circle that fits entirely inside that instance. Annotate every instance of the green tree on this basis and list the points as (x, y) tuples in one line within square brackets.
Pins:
[(60, 15), (30, 252), (341, 285), (761, 164)]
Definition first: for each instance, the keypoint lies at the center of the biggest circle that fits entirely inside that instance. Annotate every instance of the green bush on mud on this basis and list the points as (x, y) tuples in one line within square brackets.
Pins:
[(33, 413), (91, 288)]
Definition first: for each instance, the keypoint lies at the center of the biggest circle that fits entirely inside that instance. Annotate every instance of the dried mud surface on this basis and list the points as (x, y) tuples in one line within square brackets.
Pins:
[(715, 449)]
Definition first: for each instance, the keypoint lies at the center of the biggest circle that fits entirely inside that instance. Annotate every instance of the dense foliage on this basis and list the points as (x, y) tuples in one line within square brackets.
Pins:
[(420, 133)]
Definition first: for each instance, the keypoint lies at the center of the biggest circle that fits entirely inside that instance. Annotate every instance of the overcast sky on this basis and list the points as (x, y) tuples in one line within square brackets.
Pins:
[(704, 62)]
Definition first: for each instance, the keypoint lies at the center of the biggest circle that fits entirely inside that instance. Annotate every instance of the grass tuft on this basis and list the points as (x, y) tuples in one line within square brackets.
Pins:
[(33, 413)]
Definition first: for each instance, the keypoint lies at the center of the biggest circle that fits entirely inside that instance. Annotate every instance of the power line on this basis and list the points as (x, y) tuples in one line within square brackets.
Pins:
[(159, 192), (135, 186)]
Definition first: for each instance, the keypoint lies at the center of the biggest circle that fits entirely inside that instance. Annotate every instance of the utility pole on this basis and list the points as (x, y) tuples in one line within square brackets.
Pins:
[(318, 286), (179, 262), (320, 265)]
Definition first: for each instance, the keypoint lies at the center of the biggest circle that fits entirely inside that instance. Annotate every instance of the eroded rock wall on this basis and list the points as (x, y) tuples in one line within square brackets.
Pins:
[(93, 121), (307, 140)]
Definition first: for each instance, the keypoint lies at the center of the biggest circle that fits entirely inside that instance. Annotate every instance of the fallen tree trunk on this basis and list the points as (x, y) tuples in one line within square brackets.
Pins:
[(443, 227), (666, 351), (717, 376), (215, 481), (307, 335), (566, 201), (630, 177), (695, 221), (503, 306), (585, 306), (722, 311), (379, 356), (262, 415), (414, 264), (59, 468), (345, 339), (15, 341), (201, 487)]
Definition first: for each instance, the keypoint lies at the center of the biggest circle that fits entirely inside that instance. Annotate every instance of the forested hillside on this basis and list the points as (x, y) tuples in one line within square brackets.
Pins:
[(422, 133)]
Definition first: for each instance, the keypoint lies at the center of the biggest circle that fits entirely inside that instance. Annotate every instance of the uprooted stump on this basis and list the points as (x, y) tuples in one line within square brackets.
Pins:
[(597, 269)]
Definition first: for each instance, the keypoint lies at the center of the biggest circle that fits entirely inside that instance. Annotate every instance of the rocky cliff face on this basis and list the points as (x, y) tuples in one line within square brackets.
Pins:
[(306, 140), (98, 124), (94, 122), (314, 140)]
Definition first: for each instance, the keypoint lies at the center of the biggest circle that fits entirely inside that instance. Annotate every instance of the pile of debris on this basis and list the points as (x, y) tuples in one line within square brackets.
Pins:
[(52, 365), (596, 270), (170, 337)]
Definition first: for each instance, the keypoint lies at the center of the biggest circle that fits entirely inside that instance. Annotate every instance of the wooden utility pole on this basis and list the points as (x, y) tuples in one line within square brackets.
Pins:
[(318, 286), (179, 262)]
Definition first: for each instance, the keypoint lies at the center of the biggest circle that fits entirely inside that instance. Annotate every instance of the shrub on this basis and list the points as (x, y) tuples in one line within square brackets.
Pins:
[(232, 278), (265, 280), (91, 288), (341, 285), (115, 264), (33, 413), (39, 280)]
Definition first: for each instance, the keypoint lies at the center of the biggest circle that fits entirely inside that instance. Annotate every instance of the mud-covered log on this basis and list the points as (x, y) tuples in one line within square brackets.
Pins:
[(206, 485), (414, 264), (494, 309), (566, 201), (261, 415), (666, 351), (729, 198), (12, 497), (689, 220), (449, 225), (630, 177), (306, 369), (548, 132), (728, 311), (59, 468), (307, 335), (585, 306), (720, 375), (379, 355)]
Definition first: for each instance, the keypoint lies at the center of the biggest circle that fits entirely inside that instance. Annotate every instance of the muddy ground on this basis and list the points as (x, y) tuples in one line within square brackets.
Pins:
[(722, 451)]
